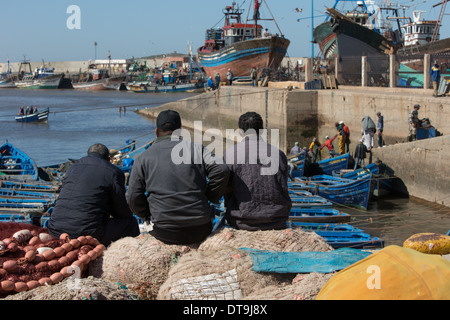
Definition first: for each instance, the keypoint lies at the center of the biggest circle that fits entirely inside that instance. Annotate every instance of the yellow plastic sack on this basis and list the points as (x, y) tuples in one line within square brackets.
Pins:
[(432, 243), (393, 273)]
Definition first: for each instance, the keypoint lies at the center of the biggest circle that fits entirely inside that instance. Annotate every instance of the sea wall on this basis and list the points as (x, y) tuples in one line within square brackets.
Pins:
[(423, 167)]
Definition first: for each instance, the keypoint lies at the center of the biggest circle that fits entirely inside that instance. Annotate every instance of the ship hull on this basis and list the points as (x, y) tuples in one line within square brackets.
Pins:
[(50, 82), (240, 57)]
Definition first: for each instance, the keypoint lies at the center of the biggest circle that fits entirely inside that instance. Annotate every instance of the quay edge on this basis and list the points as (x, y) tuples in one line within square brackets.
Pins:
[(422, 166)]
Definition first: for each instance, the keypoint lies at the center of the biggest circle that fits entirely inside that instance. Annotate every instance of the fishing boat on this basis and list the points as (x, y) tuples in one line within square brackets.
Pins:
[(15, 217), (183, 87), (347, 192), (340, 235), (40, 78), (98, 80), (306, 202), (40, 116), (325, 166), (15, 163), (240, 46), (382, 177), (28, 185), (322, 215), (6, 81), (355, 32)]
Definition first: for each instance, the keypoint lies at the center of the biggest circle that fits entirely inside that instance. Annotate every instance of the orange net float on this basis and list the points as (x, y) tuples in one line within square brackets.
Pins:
[(30, 257)]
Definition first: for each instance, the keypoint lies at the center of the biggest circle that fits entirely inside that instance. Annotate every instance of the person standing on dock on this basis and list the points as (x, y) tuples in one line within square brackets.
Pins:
[(360, 153), (92, 200), (347, 136), (217, 79), (256, 199), (254, 76), (176, 195), (368, 131), (230, 77), (341, 135), (380, 127), (414, 122), (435, 73)]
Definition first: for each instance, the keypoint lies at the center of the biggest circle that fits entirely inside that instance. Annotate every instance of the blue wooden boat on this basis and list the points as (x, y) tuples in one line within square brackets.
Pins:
[(310, 202), (382, 177), (35, 186), (22, 207), (323, 226), (15, 217), (40, 116), (341, 235), (15, 163), (11, 192), (353, 193), (327, 166), (317, 215)]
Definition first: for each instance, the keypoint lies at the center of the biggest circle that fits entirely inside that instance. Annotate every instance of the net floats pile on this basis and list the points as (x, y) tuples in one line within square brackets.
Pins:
[(29, 259)]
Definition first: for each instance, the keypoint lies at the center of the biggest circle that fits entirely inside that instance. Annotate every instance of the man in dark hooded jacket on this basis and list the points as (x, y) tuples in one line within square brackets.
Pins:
[(92, 200)]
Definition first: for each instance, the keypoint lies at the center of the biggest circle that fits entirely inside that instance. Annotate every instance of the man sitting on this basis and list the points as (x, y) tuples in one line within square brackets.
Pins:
[(257, 197), (92, 200), (174, 194)]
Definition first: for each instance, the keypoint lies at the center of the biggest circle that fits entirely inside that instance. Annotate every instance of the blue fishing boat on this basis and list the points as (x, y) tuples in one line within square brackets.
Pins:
[(40, 116), (310, 202), (11, 192), (38, 186), (341, 235), (317, 215), (15, 217), (15, 163), (323, 226), (382, 177), (327, 166), (352, 193)]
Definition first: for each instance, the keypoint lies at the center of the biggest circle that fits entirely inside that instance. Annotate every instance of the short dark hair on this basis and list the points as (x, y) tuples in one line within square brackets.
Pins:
[(99, 148), (251, 120)]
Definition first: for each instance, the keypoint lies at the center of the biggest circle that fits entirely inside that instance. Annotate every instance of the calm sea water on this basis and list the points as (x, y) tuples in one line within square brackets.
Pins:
[(79, 119)]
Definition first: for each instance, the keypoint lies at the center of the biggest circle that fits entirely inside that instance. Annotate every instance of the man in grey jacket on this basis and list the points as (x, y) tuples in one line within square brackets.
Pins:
[(257, 197), (174, 195)]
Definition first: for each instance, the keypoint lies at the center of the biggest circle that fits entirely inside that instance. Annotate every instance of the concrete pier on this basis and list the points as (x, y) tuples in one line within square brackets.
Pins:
[(300, 115)]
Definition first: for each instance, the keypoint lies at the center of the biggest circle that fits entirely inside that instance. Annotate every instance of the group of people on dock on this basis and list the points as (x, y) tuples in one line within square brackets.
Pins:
[(366, 142), (175, 197)]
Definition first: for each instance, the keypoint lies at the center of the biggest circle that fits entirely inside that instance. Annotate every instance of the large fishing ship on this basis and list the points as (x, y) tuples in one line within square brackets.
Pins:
[(240, 46), (376, 30)]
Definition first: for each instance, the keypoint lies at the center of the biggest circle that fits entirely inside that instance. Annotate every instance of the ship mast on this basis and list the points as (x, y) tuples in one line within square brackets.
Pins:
[(438, 22)]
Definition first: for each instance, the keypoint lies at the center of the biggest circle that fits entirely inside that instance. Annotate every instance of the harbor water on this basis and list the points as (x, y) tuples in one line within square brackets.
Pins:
[(79, 119)]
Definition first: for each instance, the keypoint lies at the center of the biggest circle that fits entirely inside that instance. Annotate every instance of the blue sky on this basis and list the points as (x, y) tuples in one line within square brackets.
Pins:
[(38, 29)]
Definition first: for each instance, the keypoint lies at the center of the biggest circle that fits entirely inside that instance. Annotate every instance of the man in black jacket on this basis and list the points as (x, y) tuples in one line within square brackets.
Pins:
[(92, 200), (172, 182)]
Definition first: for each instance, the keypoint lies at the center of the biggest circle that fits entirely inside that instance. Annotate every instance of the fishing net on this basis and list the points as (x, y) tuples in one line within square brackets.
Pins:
[(89, 288), (222, 274), (287, 240), (303, 287), (30, 257), (141, 263)]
